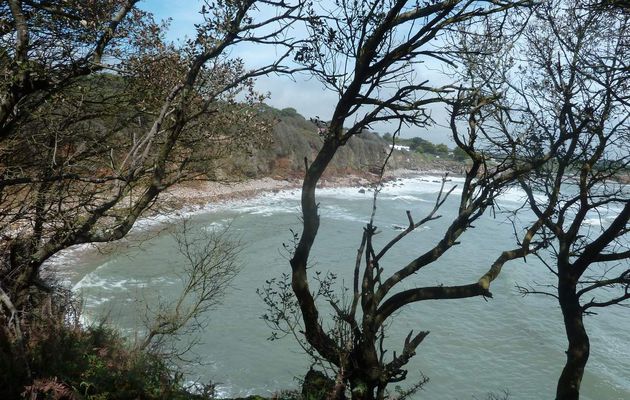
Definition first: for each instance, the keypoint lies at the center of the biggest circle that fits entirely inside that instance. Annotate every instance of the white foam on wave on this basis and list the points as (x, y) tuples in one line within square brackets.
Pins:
[(68, 254), (270, 203), (265, 204), (401, 228), (84, 320), (276, 202), (221, 390), (346, 193), (90, 279), (94, 280), (410, 199), (56, 266), (424, 184), (96, 289), (404, 189), (92, 302), (215, 226), (265, 210), (339, 213), (513, 195)]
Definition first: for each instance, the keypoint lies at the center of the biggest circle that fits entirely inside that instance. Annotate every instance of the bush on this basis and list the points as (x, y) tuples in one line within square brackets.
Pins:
[(459, 154), (67, 360)]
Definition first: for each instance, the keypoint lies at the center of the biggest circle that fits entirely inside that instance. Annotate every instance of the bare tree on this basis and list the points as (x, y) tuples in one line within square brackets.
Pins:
[(367, 52), (210, 264), (568, 77)]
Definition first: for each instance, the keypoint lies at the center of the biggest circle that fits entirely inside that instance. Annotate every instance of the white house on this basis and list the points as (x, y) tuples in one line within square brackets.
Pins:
[(400, 147)]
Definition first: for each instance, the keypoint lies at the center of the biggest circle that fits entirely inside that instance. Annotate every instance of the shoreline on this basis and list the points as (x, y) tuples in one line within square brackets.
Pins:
[(199, 194), (196, 197)]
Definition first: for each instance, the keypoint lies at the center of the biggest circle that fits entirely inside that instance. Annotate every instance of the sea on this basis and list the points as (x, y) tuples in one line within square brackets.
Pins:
[(506, 344)]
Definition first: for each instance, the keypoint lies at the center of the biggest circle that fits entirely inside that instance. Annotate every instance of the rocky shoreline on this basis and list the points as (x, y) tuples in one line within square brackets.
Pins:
[(201, 193)]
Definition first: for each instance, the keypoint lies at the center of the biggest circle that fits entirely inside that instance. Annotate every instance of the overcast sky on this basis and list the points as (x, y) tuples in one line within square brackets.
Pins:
[(306, 95)]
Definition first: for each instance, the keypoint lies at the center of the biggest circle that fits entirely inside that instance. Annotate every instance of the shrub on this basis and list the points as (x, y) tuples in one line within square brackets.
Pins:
[(67, 360)]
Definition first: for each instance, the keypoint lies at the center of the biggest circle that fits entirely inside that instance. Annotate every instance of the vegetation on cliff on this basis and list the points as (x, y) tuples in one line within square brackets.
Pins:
[(295, 138)]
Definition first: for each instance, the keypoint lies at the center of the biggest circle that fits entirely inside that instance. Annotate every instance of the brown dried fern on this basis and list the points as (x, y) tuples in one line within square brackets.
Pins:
[(51, 388)]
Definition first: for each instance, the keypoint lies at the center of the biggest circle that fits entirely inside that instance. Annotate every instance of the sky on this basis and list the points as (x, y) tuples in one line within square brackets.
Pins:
[(305, 94)]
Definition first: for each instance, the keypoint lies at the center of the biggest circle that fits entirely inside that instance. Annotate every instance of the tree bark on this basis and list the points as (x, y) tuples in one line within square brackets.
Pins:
[(579, 346), (362, 389)]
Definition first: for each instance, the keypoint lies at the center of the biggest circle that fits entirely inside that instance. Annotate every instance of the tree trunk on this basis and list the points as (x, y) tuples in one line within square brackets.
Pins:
[(366, 372), (578, 349), (362, 389), (23, 272)]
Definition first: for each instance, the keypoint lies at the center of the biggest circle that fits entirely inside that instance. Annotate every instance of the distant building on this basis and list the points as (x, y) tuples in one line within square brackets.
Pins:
[(400, 147)]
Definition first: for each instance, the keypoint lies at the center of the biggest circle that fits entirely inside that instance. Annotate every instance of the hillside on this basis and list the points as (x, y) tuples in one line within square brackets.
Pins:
[(294, 138)]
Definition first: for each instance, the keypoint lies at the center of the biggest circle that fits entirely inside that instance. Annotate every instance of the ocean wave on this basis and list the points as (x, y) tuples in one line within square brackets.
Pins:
[(423, 185), (90, 279), (592, 221), (223, 390), (404, 227), (410, 199), (346, 193), (55, 264), (93, 280), (215, 225), (340, 213), (93, 302), (265, 209), (98, 279)]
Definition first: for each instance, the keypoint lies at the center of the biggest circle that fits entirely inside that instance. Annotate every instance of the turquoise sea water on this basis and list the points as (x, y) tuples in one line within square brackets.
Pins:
[(510, 342)]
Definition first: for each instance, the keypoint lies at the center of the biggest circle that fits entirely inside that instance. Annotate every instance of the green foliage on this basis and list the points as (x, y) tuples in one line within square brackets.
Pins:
[(423, 146), (289, 112), (68, 360), (441, 149), (419, 145), (459, 154)]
